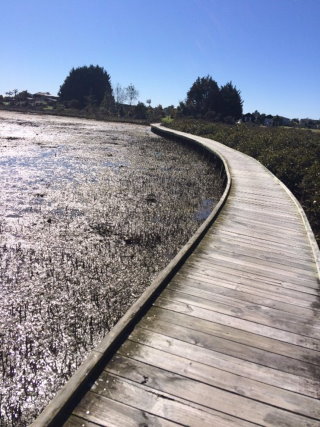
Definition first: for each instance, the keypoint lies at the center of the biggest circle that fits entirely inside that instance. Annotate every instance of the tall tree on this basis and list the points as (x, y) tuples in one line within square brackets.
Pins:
[(108, 104), (203, 96), (120, 94), (140, 111), (86, 85), (23, 95), (231, 102), (132, 93)]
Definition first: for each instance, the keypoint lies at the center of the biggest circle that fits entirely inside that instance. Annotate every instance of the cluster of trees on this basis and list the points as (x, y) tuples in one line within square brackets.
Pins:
[(15, 95), (13, 92), (207, 100), (90, 87)]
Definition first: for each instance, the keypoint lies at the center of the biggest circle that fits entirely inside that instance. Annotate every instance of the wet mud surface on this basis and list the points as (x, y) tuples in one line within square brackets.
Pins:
[(90, 212)]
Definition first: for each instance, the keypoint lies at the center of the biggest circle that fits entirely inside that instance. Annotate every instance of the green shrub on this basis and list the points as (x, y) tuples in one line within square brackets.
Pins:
[(167, 120)]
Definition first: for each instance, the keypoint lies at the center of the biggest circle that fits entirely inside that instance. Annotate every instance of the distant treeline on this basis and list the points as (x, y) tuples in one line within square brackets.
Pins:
[(87, 92), (293, 155), (90, 88)]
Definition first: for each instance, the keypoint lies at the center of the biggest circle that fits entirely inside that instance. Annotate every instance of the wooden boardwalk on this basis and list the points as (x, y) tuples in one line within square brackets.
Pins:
[(234, 339)]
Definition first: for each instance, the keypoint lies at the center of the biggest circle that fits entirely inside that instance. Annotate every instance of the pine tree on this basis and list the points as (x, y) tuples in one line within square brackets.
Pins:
[(231, 102), (86, 84), (203, 96)]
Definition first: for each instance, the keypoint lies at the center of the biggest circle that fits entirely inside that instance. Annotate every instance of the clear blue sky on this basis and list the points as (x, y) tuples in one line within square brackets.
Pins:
[(268, 48)]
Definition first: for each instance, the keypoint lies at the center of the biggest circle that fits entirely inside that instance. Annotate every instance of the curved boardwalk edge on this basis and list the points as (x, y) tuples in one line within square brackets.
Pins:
[(313, 243), (55, 412)]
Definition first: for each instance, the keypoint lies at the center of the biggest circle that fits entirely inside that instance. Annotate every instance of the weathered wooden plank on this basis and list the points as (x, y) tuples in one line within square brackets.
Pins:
[(235, 322), (256, 202), (252, 313), (257, 234), (267, 231), (225, 346), (289, 216), (307, 277), (224, 277), (221, 390), (274, 228), (253, 203), (262, 268), (242, 293), (260, 242), (107, 412), (264, 217), (261, 219), (259, 313), (258, 193), (162, 404), (287, 381), (235, 335), (263, 191), (260, 188), (188, 391), (252, 273), (259, 201), (74, 421), (256, 205), (235, 249), (245, 188)]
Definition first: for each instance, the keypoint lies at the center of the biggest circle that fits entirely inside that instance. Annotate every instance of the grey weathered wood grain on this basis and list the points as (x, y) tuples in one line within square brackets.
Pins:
[(166, 381), (255, 313), (206, 385), (251, 273), (235, 365), (197, 286), (234, 334), (195, 336), (108, 412), (239, 323), (74, 421), (231, 279), (157, 403)]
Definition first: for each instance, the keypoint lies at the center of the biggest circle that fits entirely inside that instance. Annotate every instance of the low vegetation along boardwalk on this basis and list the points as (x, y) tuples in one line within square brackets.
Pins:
[(234, 338)]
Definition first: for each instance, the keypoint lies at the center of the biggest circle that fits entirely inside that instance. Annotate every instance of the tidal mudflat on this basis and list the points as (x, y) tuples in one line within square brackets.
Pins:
[(90, 212)]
